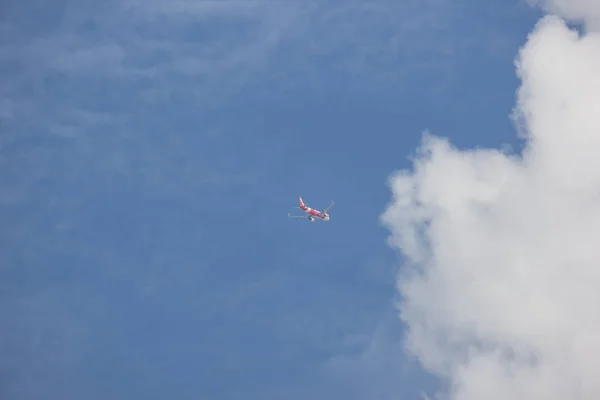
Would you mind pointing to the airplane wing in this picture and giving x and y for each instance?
(327, 209)
(296, 216)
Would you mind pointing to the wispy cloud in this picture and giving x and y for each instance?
(154, 40)
(501, 281)
(102, 75)
(216, 48)
(112, 75)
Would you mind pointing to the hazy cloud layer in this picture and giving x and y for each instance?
(502, 283)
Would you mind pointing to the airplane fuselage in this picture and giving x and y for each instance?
(313, 214)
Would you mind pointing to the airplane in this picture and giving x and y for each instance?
(311, 213)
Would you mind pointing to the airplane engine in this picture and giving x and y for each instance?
(311, 219)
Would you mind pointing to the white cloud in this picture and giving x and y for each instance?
(502, 284)
(587, 11)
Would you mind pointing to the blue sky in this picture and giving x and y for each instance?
(150, 153)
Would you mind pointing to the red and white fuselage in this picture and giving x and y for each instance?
(312, 214)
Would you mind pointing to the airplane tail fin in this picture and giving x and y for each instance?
(301, 202)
